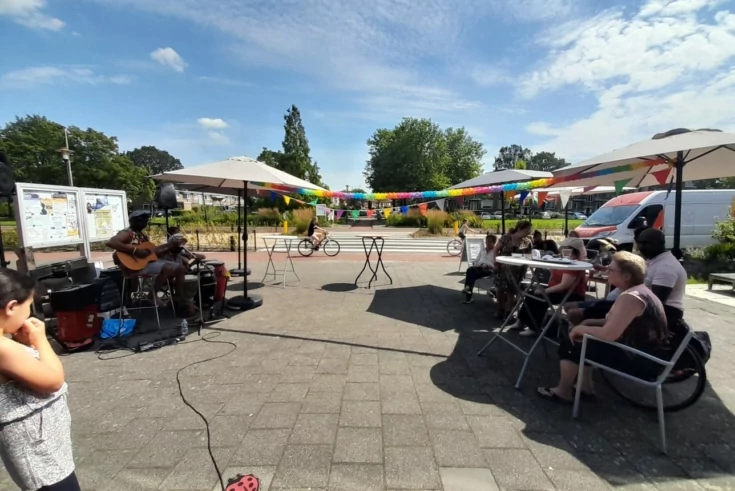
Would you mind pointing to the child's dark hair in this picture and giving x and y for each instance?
(493, 237)
(14, 286)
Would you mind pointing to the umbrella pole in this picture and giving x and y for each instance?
(245, 301)
(677, 204)
(502, 211)
(566, 219)
(239, 271)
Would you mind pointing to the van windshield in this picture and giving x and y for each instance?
(609, 216)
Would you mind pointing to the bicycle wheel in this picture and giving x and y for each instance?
(682, 388)
(305, 248)
(454, 247)
(330, 247)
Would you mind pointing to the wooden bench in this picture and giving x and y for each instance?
(721, 278)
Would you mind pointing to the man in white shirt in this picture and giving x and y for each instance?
(665, 275)
(482, 267)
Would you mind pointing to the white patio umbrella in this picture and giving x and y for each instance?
(234, 173)
(691, 155)
(500, 177)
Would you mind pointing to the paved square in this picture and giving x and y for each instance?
(341, 389)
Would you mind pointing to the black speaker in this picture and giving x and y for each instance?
(7, 184)
(165, 198)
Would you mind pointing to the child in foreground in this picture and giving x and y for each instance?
(35, 425)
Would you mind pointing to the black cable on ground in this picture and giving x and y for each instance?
(207, 338)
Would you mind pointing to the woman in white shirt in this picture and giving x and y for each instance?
(482, 267)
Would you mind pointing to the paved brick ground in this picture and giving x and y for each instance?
(341, 389)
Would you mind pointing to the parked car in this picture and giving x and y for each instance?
(486, 216)
(541, 214)
(578, 216)
(497, 215)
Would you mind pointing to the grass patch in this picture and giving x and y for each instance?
(7, 223)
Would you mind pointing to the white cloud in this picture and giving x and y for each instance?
(169, 58)
(218, 138)
(57, 75)
(668, 65)
(225, 81)
(212, 123)
(371, 49)
(30, 14)
(489, 75)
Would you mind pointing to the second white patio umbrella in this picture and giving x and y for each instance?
(235, 173)
(691, 155)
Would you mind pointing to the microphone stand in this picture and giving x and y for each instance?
(3, 262)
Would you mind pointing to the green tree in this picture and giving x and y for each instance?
(547, 161)
(156, 161)
(508, 156)
(465, 155)
(520, 165)
(31, 143)
(417, 155)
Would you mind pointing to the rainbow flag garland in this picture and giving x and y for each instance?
(457, 193)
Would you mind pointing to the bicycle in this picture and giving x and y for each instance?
(328, 245)
(454, 247)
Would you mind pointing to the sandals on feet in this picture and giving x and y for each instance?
(550, 395)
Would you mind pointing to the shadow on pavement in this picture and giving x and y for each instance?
(339, 287)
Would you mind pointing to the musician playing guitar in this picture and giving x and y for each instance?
(133, 247)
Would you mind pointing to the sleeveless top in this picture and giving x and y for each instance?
(137, 238)
(35, 435)
(648, 330)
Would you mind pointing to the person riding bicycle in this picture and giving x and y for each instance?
(464, 228)
(316, 233)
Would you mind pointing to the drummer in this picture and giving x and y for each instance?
(181, 254)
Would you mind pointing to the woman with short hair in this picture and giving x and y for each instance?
(636, 319)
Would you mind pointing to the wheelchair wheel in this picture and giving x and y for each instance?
(682, 388)
(454, 247)
(330, 247)
(305, 248)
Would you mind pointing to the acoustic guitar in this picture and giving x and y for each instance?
(132, 263)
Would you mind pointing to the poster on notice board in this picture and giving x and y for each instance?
(50, 218)
(105, 215)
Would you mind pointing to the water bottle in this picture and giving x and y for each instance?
(184, 328)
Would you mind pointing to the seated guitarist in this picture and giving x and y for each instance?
(126, 242)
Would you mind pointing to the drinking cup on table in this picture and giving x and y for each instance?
(566, 253)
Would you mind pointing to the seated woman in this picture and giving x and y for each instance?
(636, 319)
(544, 245)
(532, 312)
(481, 267)
(515, 241)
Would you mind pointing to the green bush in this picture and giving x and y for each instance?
(301, 218)
(725, 230)
(724, 251)
(473, 220)
(10, 239)
(436, 221)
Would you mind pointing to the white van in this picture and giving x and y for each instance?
(621, 216)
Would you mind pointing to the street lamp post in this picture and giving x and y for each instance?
(66, 157)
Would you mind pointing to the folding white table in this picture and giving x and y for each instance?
(377, 242)
(287, 241)
(534, 266)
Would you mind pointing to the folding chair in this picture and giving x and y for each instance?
(656, 384)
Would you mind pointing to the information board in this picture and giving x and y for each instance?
(321, 210)
(49, 215)
(105, 213)
(471, 250)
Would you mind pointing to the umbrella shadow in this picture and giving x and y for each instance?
(617, 441)
(339, 287)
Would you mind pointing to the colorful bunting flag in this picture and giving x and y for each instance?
(339, 213)
(541, 197)
(440, 204)
(387, 212)
(286, 199)
(619, 185)
(422, 208)
(661, 176)
(404, 209)
(355, 213)
(587, 189)
(522, 198)
(564, 197)
(509, 195)
(370, 213)
(274, 196)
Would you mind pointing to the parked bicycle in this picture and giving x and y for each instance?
(328, 245)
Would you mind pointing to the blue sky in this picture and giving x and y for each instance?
(209, 80)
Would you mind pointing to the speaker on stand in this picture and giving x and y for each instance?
(165, 199)
(239, 271)
(7, 189)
